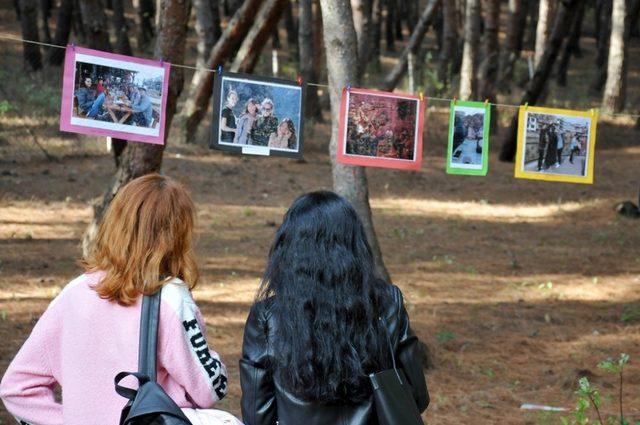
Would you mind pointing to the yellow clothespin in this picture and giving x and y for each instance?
(526, 105)
(421, 96)
(486, 103)
(455, 100)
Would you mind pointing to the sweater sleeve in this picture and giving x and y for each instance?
(188, 359)
(27, 387)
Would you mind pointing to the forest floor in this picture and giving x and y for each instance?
(517, 287)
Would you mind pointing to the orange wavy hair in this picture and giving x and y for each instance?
(144, 238)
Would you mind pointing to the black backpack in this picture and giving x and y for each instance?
(149, 404)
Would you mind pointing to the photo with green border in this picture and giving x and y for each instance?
(468, 147)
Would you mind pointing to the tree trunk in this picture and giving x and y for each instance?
(546, 14)
(541, 75)
(634, 18)
(449, 42)
(613, 99)
(351, 182)
(470, 50)
(121, 28)
(76, 22)
(489, 66)
(45, 14)
(215, 16)
(307, 52)
(376, 31)
(205, 27)
(290, 26)
(571, 45)
(604, 9)
(144, 158)
(29, 23)
(390, 25)
(516, 24)
(362, 20)
(94, 22)
(427, 17)
(63, 29)
(263, 25)
(196, 107)
(146, 12)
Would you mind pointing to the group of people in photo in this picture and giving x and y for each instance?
(114, 99)
(371, 132)
(257, 124)
(553, 143)
(323, 323)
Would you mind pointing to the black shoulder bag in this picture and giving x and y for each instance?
(149, 404)
(392, 394)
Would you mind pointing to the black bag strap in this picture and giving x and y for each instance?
(391, 350)
(149, 323)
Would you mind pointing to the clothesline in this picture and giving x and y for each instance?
(205, 69)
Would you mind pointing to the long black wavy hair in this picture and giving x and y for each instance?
(327, 300)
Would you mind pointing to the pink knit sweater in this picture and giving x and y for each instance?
(82, 341)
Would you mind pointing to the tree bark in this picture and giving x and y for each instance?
(604, 9)
(76, 22)
(145, 16)
(63, 29)
(215, 16)
(196, 107)
(546, 14)
(290, 26)
(634, 18)
(468, 83)
(264, 24)
(376, 31)
(29, 23)
(541, 75)
(399, 69)
(613, 99)
(45, 14)
(205, 27)
(351, 182)
(362, 21)
(490, 47)
(390, 25)
(144, 158)
(307, 52)
(121, 28)
(571, 45)
(449, 42)
(94, 22)
(516, 24)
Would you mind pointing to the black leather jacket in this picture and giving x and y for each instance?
(264, 402)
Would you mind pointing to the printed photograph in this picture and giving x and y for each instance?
(107, 95)
(468, 138)
(556, 143)
(257, 115)
(380, 129)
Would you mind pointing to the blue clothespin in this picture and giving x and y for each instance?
(73, 46)
(219, 69)
(348, 87)
(161, 62)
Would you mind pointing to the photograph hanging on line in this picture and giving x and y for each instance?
(468, 151)
(380, 129)
(257, 115)
(556, 144)
(112, 95)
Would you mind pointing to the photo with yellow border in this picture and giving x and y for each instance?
(556, 144)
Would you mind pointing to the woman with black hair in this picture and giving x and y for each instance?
(321, 323)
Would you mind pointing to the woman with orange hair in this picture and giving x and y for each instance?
(90, 331)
